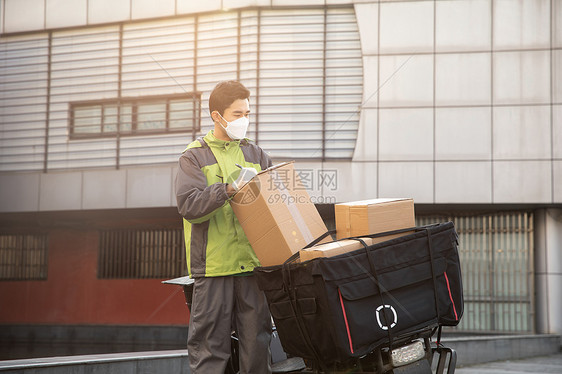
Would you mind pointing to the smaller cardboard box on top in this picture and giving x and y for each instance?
(364, 218)
(276, 214)
(338, 247)
(374, 216)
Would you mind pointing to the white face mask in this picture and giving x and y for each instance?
(236, 130)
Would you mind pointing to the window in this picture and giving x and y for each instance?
(496, 252)
(133, 254)
(135, 116)
(23, 257)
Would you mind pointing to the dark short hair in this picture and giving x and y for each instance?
(225, 93)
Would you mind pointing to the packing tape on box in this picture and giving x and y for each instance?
(292, 207)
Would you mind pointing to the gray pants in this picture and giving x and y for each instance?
(218, 303)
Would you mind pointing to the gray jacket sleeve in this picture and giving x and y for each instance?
(266, 161)
(196, 201)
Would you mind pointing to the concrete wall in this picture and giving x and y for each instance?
(172, 362)
(476, 350)
(462, 100)
(46, 340)
(84, 190)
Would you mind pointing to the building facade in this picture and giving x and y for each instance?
(455, 103)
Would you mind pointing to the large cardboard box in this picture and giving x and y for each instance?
(374, 216)
(276, 214)
(338, 247)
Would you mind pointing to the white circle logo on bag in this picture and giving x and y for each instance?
(378, 313)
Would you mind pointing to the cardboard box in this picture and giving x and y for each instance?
(333, 249)
(366, 217)
(276, 214)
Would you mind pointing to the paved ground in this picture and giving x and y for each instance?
(535, 365)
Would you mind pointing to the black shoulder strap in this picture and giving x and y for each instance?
(319, 239)
(296, 255)
(393, 232)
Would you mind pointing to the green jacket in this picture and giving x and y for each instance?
(215, 242)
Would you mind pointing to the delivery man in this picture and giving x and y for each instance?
(219, 256)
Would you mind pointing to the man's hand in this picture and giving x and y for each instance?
(246, 174)
(230, 190)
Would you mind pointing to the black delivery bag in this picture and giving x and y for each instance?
(338, 308)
